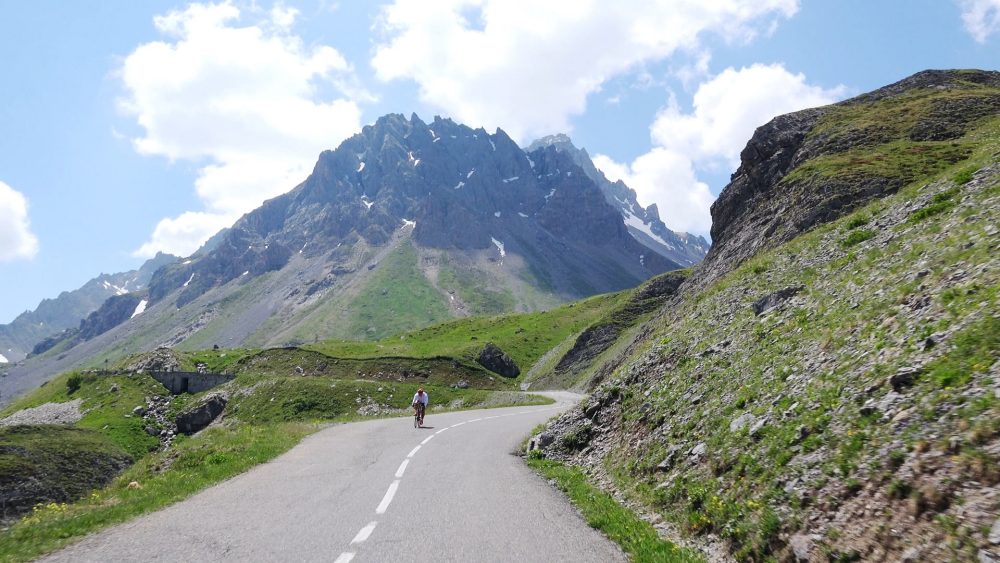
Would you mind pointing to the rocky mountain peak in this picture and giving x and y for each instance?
(457, 187)
(642, 223)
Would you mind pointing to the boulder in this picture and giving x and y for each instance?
(904, 377)
(197, 418)
(495, 360)
(741, 422)
(802, 546)
(772, 300)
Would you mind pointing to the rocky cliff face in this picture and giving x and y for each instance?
(810, 167)
(825, 385)
(642, 223)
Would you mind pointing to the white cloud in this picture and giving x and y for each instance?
(244, 101)
(16, 239)
(981, 18)
(528, 66)
(726, 110)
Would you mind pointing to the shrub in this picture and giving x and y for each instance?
(964, 176)
(73, 383)
(858, 221)
(857, 237)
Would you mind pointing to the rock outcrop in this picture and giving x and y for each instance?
(497, 361)
(200, 416)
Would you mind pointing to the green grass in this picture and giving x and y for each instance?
(939, 204)
(524, 337)
(635, 536)
(56, 463)
(194, 463)
(397, 299)
(284, 399)
(975, 349)
(469, 285)
(857, 237)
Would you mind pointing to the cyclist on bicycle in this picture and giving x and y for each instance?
(420, 399)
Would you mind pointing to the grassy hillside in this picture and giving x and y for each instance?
(525, 337)
(836, 396)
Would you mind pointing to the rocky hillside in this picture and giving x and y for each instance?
(643, 223)
(52, 316)
(826, 385)
(404, 225)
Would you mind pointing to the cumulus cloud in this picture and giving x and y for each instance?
(726, 109)
(981, 18)
(16, 239)
(529, 66)
(243, 100)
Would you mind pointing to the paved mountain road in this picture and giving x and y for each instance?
(376, 491)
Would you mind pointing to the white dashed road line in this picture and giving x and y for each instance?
(390, 493)
(402, 468)
(387, 499)
(364, 533)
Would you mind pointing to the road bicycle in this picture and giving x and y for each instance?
(418, 416)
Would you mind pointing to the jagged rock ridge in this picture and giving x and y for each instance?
(643, 223)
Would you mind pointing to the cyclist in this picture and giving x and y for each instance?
(420, 399)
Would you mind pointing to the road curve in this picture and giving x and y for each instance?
(376, 491)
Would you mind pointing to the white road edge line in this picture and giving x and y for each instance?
(344, 557)
(413, 452)
(475, 420)
(456, 425)
(364, 533)
(427, 439)
(440, 431)
(402, 468)
(387, 499)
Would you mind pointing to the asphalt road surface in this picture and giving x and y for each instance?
(377, 491)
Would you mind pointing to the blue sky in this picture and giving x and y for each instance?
(130, 127)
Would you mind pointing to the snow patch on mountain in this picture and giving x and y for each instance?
(636, 223)
(500, 247)
(112, 287)
(139, 309)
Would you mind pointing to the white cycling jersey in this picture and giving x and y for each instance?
(417, 398)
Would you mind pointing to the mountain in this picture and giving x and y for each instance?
(404, 225)
(824, 385)
(643, 223)
(52, 316)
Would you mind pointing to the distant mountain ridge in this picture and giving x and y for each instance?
(643, 223)
(52, 316)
